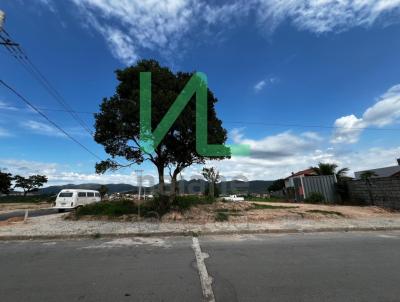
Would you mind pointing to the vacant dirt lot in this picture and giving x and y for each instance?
(269, 211)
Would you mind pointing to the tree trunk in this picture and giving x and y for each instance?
(161, 184)
(25, 192)
(172, 193)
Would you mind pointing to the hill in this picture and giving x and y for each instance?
(112, 188)
(187, 186)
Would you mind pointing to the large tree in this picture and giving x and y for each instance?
(118, 124)
(5, 182)
(30, 184)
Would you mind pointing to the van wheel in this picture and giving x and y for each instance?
(61, 210)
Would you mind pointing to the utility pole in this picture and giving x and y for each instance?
(2, 18)
(3, 40)
(139, 174)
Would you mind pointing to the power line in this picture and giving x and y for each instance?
(20, 55)
(243, 122)
(47, 118)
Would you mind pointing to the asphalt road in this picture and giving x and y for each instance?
(32, 213)
(303, 267)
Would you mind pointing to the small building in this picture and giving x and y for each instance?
(392, 171)
(302, 184)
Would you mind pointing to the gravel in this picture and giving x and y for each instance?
(56, 226)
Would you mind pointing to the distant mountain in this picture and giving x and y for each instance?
(112, 188)
(225, 187)
(187, 186)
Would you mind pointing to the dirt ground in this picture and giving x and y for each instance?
(7, 207)
(269, 211)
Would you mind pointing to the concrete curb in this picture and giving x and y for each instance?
(194, 233)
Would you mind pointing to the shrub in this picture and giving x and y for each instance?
(315, 197)
(109, 208)
(221, 216)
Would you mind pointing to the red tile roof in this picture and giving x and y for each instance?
(308, 172)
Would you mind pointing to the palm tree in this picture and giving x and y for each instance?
(330, 169)
(367, 175)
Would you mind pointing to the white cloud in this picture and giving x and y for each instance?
(42, 128)
(263, 83)
(260, 86)
(60, 175)
(5, 133)
(321, 16)
(48, 130)
(6, 106)
(385, 111)
(129, 27)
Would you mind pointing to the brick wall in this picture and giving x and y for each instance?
(383, 192)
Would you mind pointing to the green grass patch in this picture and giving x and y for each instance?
(110, 208)
(270, 207)
(28, 199)
(221, 216)
(325, 212)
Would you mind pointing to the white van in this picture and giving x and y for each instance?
(71, 198)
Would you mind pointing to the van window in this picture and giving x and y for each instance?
(81, 194)
(97, 194)
(90, 194)
(65, 195)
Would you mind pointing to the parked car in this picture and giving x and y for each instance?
(73, 198)
(234, 198)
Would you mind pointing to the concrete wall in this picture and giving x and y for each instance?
(383, 192)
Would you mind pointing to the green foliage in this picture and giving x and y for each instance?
(212, 176)
(5, 182)
(28, 199)
(315, 197)
(103, 190)
(367, 175)
(30, 184)
(111, 208)
(330, 169)
(277, 185)
(118, 122)
(221, 216)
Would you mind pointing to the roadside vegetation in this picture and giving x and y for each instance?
(27, 199)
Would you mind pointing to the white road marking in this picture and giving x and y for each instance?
(205, 279)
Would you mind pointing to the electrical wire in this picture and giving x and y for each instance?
(26, 101)
(20, 55)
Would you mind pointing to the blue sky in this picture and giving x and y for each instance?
(297, 80)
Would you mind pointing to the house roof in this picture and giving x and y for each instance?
(381, 172)
(307, 172)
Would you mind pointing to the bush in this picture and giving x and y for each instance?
(109, 208)
(315, 197)
(27, 199)
(221, 216)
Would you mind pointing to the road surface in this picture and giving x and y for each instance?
(32, 213)
(303, 267)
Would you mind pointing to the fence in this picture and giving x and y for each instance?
(303, 186)
(383, 192)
